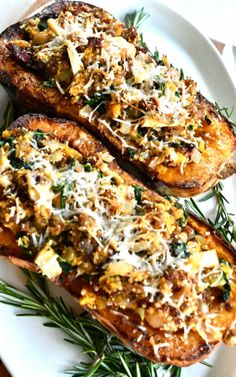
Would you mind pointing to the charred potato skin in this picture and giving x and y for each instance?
(26, 87)
(124, 324)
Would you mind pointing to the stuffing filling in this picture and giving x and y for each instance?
(76, 216)
(144, 102)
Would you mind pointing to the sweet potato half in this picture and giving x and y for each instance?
(150, 295)
(183, 155)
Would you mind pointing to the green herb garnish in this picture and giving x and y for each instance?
(131, 153)
(18, 163)
(138, 190)
(72, 163)
(156, 55)
(181, 77)
(160, 85)
(38, 137)
(88, 167)
(226, 288)
(65, 190)
(142, 131)
(42, 25)
(174, 145)
(65, 266)
(180, 249)
(98, 101)
(51, 83)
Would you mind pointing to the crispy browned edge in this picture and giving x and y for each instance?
(26, 87)
(124, 327)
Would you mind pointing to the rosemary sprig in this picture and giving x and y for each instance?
(225, 111)
(136, 18)
(107, 356)
(192, 205)
(223, 221)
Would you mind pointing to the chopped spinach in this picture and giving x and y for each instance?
(65, 190)
(190, 127)
(175, 145)
(9, 141)
(72, 163)
(182, 222)
(51, 83)
(225, 262)
(57, 188)
(88, 167)
(138, 190)
(131, 152)
(142, 131)
(18, 163)
(226, 288)
(65, 266)
(179, 249)
(42, 25)
(98, 100)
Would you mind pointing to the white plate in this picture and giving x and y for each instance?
(31, 350)
(229, 58)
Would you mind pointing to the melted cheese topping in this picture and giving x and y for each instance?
(144, 102)
(141, 253)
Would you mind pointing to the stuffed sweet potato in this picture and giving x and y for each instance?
(76, 61)
(161, 280)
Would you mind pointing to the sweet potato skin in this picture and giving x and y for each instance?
(124, 324)
(27, 88)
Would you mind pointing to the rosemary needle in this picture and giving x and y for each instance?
(136, 18)
(107, 356)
